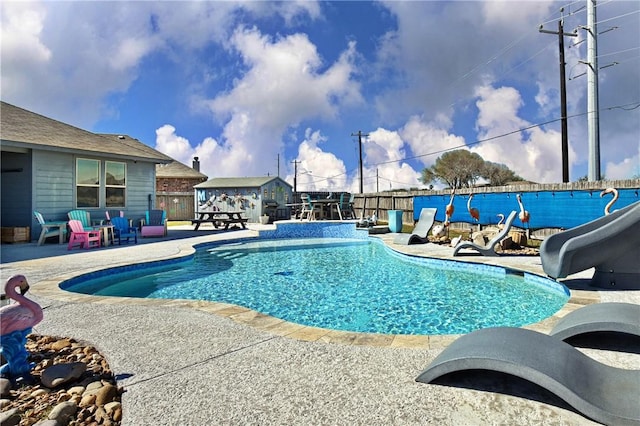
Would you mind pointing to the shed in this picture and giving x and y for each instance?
(53, 168)
(255, 196)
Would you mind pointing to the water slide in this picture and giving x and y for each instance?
(611, 244)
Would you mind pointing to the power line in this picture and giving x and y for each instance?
(632, 105)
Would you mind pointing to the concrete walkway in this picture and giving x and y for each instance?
(196, 363)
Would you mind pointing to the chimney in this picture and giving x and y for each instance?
(196, 164)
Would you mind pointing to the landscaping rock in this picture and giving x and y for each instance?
(62, 412)
(59, 374)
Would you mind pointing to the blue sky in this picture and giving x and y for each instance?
(241, 84)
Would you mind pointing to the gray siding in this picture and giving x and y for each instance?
(54, 188)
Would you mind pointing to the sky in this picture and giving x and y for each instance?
(257, 88)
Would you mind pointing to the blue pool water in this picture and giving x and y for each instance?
(341, 284)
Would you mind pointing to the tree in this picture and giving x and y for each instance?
(498, 174)
(457, 169)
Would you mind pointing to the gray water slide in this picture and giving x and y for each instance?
(611, 244)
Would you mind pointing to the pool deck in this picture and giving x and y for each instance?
(201, 363)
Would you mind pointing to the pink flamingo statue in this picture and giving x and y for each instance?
(16, 321)
(607, 208)
(524, 214)
(474, 212)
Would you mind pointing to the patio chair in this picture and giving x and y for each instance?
(346, 206)
(154, 224)
(83, 216)
(113, 213)
(421, 230)
(603, 393)
(308, 208)
(50, 229)
(123, 230)
(488, 249)
(612, 317)
(85, 238)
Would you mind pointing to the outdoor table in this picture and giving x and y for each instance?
(107, 233)
(218, 217)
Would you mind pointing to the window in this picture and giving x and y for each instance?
(115, 183)
(87, 183)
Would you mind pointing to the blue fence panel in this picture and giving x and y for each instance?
(547, 209)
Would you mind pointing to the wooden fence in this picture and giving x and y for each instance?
(178, 205)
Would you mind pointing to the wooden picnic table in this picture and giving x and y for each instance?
(219, 218)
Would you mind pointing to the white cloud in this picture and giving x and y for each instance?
(282, 87)
(318, 170)
(533, 154)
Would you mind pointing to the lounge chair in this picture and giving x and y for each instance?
(609, 317)
(155, 224)
(84, 238)
(50, 229)
(122, 230)
(603, 393)
(421, 230)
(490, 248)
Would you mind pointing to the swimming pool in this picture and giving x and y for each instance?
(341, 284)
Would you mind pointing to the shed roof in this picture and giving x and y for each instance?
(22, 128)
(245, 182)
(176, 169)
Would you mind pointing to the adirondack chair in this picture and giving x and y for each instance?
(123, 230)
(155, 224)
(50, 229)
(83, 216)
(84, 238)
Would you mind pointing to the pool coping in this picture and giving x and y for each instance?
(50, 288)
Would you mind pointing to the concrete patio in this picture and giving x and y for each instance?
(201, 363)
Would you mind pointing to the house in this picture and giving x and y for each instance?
(174, 188)
(254, 196)
(53, 167)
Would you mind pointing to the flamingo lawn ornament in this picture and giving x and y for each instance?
(524, 214)
(607, 208)
(16, 321)
(501, 222)
(474, 212)
(449, 209)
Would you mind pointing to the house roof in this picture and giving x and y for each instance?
(26, 129)
(246, 182)
(176, 169)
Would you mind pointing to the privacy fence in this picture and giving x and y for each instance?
(550, 205)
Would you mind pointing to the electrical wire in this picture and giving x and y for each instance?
(632, 105)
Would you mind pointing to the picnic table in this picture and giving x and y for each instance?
(219, 218)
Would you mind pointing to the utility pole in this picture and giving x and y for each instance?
(592, 93)
(563, 97)
(377, 181)
(295, 175)
(360, 135)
